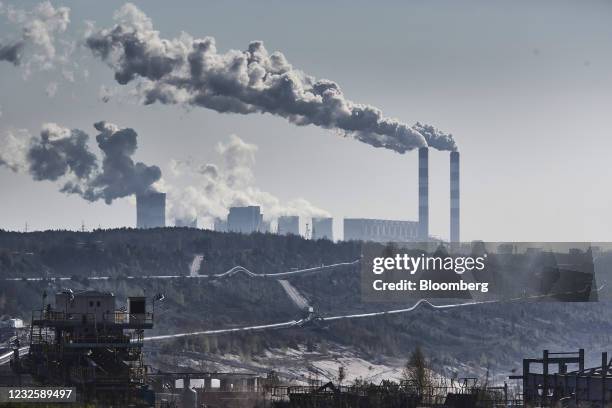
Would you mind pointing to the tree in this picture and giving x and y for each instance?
(341, 374)
(417, 371)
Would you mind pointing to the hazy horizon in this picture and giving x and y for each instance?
(524, 88)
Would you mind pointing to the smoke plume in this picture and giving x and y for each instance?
(190, 71)
(39, 28)
(216, 188)
(62, 154)
(11, 52)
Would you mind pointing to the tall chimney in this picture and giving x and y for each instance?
(454, 197)
(423, 194)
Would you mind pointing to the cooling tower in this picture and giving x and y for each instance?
(322, 228)
(150, 210)
(454, 197)
(288, 225)
(423, 194)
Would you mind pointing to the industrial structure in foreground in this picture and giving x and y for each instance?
(561, 379)
(453, 393)
(85, 342)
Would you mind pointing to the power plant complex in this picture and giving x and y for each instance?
(151, 207)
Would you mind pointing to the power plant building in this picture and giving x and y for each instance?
(322, 228)
(150, 210)
(288, 224)
(245, 219)
(363, 229)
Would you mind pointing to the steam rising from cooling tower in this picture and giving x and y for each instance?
(63, 154)
(229, 183)
(190, 71)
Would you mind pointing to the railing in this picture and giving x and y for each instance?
(115, 317)
(100, 338)
(55, 316)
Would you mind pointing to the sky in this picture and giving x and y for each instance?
(524, 87)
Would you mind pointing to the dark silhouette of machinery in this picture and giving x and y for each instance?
(83, 341)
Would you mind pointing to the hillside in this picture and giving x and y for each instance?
(466, 340)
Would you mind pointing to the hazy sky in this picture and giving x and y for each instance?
(524, 86)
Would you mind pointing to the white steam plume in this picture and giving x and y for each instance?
(190, 71)
(36, 45)
(219, 187)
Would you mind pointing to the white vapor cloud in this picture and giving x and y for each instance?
(190, 71)
(51, 89)
(36, 46)
(229, 183)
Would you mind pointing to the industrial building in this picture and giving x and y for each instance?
(246, 220)
(378, 230)
(322, 228)
(364, 229)
(208, 389)
(560, 379)
(456, 393)
(288, 225)
(249, 219)
(150, 210)
(84, 341)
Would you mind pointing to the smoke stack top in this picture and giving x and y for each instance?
(190, 71)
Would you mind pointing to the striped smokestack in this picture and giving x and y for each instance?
(454, 197)
(423, 194)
